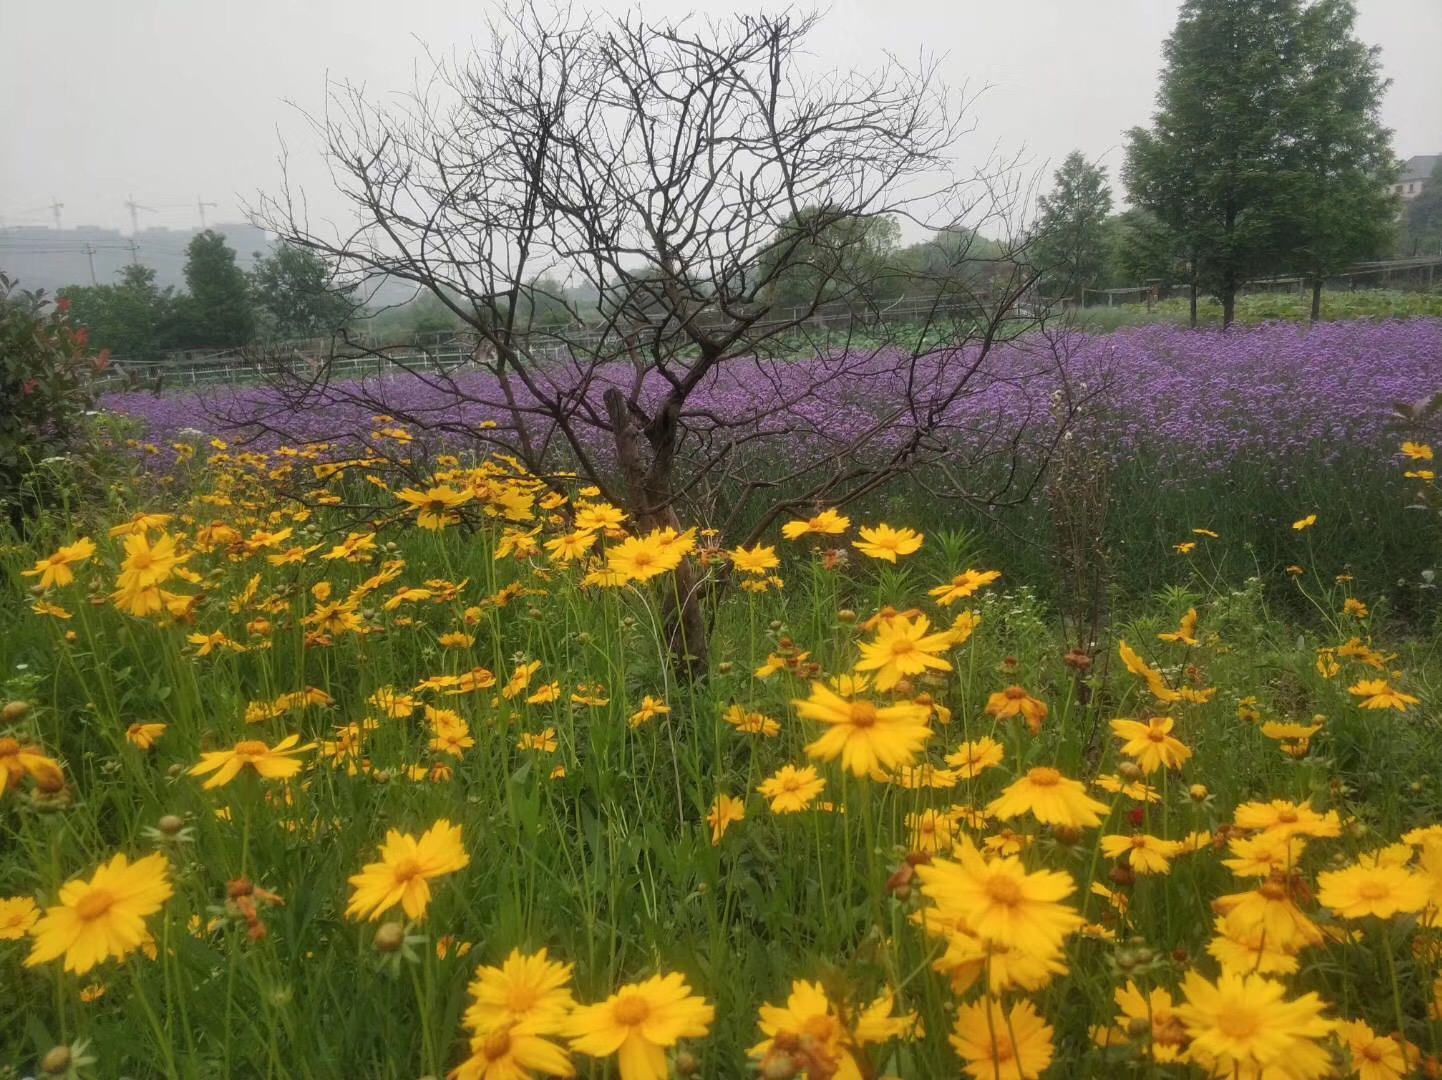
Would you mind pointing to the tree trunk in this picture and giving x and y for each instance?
(1194, 299)
(1317, 299)
(647, 496)
(1229, 304)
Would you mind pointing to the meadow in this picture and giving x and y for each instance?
(305, 790)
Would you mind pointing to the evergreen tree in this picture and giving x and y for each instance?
(1212, 167)
(293, 296)
(1070, 249)
(218, 311)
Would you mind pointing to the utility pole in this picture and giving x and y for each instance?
(134, 258)
(201, 205)
(90, 254)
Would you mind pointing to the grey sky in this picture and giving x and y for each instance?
(174, 99)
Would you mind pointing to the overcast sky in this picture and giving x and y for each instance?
(177, 99)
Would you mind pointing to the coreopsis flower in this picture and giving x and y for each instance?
(147, 565)
(884, 542)
(1249, 951)
(144, 736)
(1000, 901)
(1354, 607)
(1132, 789)
(1264, 855)
(1151, 1014)
(1374, 1057)
(1372, 888)
(208, 643)
(545, 695)
(640, 558)
(456, 639)
(754, 560)
(1016, 701)
(1186, 547)
(826, 523)
(141, 523)
(1144, 854)
(816, 1035)
(1051, 798)
(570, 547)
(1270, 910)
(17, 915)
(973, 758)
(650, 709)
(276, 762)
(520, 679)
(55, 571)
(544, 740)
(1379, 694)
(749, 722)
(18, 760)
(962, 586)
(517, 543)
(791, 790)
(864, 735)
(1242, 1024)
(1148, 674)
(1415, 451)
(356, 547)
(1283, 732)
(1186, 633)
(1151, 744)
(932, 831)
(104, 917)
(436, 507)
(725, 811)
(51, 611)
(1304, 523)
(533, 990)
(903, 648)
(598, 517)
(996, 1043)
(638, 1023)
(512, 1053)
(1281, 818)
(406, 868)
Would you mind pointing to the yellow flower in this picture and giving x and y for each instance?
(725, 811)
(1000, 902)
(104, 917)
(864, 735)
(1242, 1025)
(1354, 607)
(55, 572)
(996, 1043)
(650, 709)
(1151, 744)
(436, 507)
(1186, 633)
(1015, 701)
(638, 1022)
(532, 990)
(1374, 1057)
(456, 639)
(1281, 818)
(754, 560)
(1144, 671)
(1379, 694)
(19, 759)
(1304, 523)
(140, 523)
(826, 523)
(144, 736)
(403, 874)
(545, 741)
(512, 1053)
(791, 790)
(1267, 910)
(1152, 1014)
(270, 763)
(147, 565)
(971, 759)
(903, 648)
(809, 1020)
(17, 915)
(1264, 855)
(1145, 854)
(962, 586)
(570, 547)
(1375, 889)
(1186, 547)
(1051, 798)
(1417, 451)
(884, 542)
(751, 723)
(642, 558)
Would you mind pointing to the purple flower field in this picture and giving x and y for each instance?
(1200, 401)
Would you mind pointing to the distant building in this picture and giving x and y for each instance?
(1416, 171)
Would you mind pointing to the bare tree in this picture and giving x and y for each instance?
(676, 175)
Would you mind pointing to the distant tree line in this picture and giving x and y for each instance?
(287, 293)
(1265, 156)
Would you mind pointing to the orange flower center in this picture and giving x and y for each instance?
(1237, 1022)
(1156, 734)
(1373, 890)
(9, 747)
(497, 1044)
(94, 904)
(250, 749)
(521, 998)
(1003, 889)
(1015, 693)
(1002, 1048)
(631, 1009)
(1045, 776)
(1287, 817)
(900, 646)
(406, 868)
(863, 714)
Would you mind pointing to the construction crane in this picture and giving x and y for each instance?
(199, 206)
(131, 205)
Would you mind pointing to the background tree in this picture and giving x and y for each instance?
(1423, 220)
(217, 312)
(1339, 159)
(1141, 250)
(822, 256)
(292, 295)
(1212, 167)
(1070, 248)
(134, 319)
(680, 172)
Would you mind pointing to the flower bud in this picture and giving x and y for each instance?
(57, 1061)
(170, 824)
(389, 937)
(1129, 770)
(13, 712)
